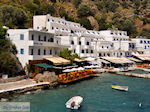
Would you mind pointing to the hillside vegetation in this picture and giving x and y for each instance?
(132, 16)
(9, 63)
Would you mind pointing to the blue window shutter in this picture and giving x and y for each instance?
(21, 51)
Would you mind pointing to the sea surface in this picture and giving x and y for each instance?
(97, 93)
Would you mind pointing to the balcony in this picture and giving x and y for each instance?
(45, 44)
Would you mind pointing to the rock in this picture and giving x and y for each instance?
(4, 100)
(94, 23)
(28, 93)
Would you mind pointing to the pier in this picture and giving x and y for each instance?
(22, 86)
(133, 74)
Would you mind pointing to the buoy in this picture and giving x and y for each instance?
(140, 104)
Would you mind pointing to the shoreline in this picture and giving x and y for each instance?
(31, 88)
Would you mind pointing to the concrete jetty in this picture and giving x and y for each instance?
(134, 74)
(12, 88)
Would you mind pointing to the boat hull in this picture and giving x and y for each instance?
(121, 88)
(76, 101)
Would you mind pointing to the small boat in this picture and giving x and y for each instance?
(122, 88)
(74, 102)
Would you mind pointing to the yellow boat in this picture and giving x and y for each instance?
(122, 88)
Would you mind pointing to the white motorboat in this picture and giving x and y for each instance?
(122, 88)
(74, 102)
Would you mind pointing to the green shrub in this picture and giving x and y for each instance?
(83, 11)
(85, 23)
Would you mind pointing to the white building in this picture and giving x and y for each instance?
(34, 45)
(80, 40)
(142, 45)
(52, 34)
(120, 41)
(58, 26)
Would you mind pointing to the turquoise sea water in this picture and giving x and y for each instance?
(98, 96)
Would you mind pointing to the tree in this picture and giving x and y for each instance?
(103, 25)
(145, 33)
(107, 5)
(125, 24)
(67, 54)
(45, 9)
(86, 23)
(83, 11)
(9, 64)
(76, 3)
(11, 16)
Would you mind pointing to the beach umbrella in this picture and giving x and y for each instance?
(74, 69)
(89, 59)
(67, 70)
(80, 68)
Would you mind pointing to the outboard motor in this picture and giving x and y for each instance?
(72, 104)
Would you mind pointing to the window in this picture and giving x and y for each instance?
(87, 51)
(91, 51)
(72, 42)
(102, 46)
(79, 42)
(87, 43)
(74, 51)
(21, 36)
(82, 51)
(51, 40)
(32, 37)
(32, 52)
(21, 51)
(52, 28)
(44, 52)
(111, 33)
(39, 38)
(45, 38)
(100, 54)
(55, 52)
(50, 51)
(48, 20)
(39, 51)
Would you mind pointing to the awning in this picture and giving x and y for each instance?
(58, 60)
(43, 65)
(133, 59)
(117, 60)
(104, 61)
(79, 60)
(144, 57)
